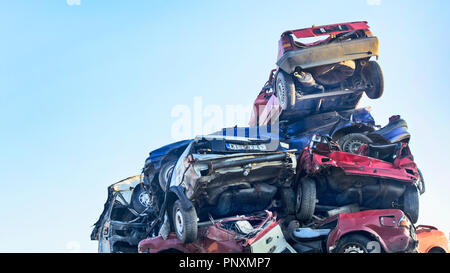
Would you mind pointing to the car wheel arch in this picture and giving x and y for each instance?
(378, 139)
(350, 130)
(436, 249)
(364, 232)
(171, 250)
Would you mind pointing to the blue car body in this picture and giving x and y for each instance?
(298, 134)
(333, 124)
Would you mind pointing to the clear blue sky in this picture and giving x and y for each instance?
(86, 91)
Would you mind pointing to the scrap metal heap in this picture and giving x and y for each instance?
(312, 173)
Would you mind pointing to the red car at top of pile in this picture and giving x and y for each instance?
(327, 75)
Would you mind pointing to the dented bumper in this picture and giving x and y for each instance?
(329, 54)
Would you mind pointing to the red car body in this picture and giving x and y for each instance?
(213, 238)
(342, 178)
(402, 169)
(266, 108)
(213, 241)
(286, 42)
(390, 227)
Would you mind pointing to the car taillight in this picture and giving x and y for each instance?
(368, 33)
(404, 222)
(285, 44)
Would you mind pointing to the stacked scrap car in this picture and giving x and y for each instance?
(350, 129)
(212, 177)
(371, 231)
(124, 220)
(312, 173)
(257, 233)
(218, 176)
(328, 75)
(431, 240)
(379, 177)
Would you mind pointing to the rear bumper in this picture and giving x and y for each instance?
(213, 173)
(329, 54)
(357, 165)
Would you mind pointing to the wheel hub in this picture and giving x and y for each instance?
(353, 249)
(353, 146)
(281, 92)
(144, 199)
(179, 222)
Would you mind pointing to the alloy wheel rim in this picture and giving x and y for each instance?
(179, 222)
(354, 249)
(353, 146)
(144, 199)
(281, 92)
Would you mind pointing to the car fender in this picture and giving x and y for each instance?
(158, 156)
(349, 128)
(395, 135)
(336, 234)
(179, 192)
(430, 237)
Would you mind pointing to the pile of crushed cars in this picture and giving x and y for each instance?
(312, 173)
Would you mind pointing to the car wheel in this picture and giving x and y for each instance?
(141, 199)
(356, 243)
(411, 203)
(373, 74)
(421, 184)
(285, 90)
(306, 199)
(184, 223)
(287, 198)
(165, 173)
(436, 250)
(352, 142)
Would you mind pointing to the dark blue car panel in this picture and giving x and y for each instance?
(332, 124)
(396, 134)
(298, 134)
(153, 161)
(322, 105)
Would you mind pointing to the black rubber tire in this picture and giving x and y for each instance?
(306, 199)
(436, 250)
(287, 198)
(138, 199)
(411, 203)
(422, 183)
(285, 90)
(356, 243)
(348, 142)
(165, 172)
(187, 220)
(372, 72)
